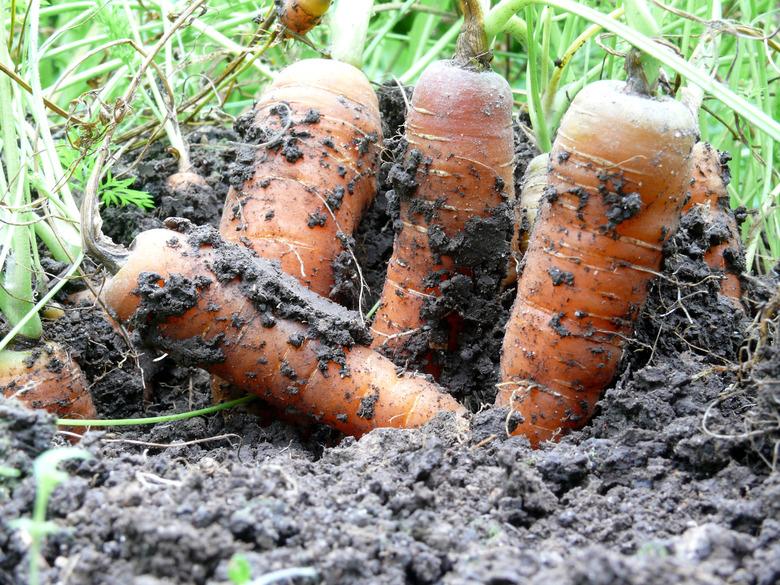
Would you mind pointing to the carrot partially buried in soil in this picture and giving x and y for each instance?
(459, 173)
(526, 209)
(708, 191)
(213, 304)
(300, 16)
(46, 378)
(303, 191)
(619, 172)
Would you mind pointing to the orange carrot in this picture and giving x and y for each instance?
(313, 177)
(46, 378)
(215, 305)
(300, 16)
(460, 159)
(708, 190)
(619, 170)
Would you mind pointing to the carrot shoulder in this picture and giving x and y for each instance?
(213, 304)
(314, 173)
(619, 171)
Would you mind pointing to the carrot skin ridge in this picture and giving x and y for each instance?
(460, 158)
(213, 304)
(308, 184)
(619, 172)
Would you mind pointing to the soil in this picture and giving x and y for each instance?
(645, 494)
(212, 151)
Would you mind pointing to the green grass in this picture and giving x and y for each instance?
(78, 55)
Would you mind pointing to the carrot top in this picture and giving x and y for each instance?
(473, 50)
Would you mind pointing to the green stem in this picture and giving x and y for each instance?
(33, 314)
(216, 36)
(46, 234)
(16, 293)
(473, 48)
(449, 36)
(403, 10)
(518, 28)
(349, 27)
(534, 91)
(500, 14)
(544, 61)
(164, 112)
(551, 92)
(641, 20)
(496, 20)
(49, 157)
(126, 422)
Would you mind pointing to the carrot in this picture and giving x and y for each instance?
(46, 378)
(619, 170)
(300, 16)
(215, 305)
(309, 183)
(526, 209)
(460, 159)
(708, 191)
(534, 184)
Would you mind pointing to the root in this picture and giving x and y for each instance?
(758, 381)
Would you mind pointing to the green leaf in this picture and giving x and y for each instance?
(45, 465)
(119, 193)
(9, 471)
(239, 572)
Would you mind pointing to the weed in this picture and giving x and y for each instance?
(47, 478)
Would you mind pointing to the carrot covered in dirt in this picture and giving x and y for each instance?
(459, 163)
(300, 16)
(619, 172)
(46, 378)
(710, 176)
(216, 305)
(303, 190)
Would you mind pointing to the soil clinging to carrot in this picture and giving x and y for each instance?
(274, 294)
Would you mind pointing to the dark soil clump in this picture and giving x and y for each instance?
(212, 151)
(373, 239)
